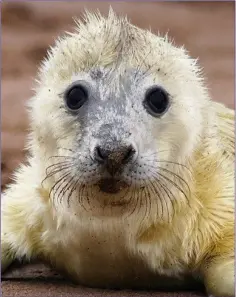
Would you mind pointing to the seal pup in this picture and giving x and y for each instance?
(129, 178)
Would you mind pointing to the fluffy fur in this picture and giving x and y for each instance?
(177, 217)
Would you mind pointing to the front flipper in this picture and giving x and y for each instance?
(7, 256)
(21, 225)
(219, 276)
(13, 245)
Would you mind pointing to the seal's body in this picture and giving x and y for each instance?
(130, 175)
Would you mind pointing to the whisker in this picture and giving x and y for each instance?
(168, 162)
(166, 190)
(149, 201)
(56, 169)
(135, 205)
(74, 187)
(65, 188)
(58, 182)
(53, 173)
(59, 164)
(176, 185)
(63, 185)
(66, 149)
(87, 198)
(155, 191)
(174, 174)
(86, 194)
(177, 176)
(146, 200)
(72, 190)
(61, 156)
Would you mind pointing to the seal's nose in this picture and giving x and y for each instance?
(114, 158)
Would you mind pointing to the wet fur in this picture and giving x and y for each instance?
(187, 229)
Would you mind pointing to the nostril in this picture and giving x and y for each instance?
(130, 153)
(100, 154)
(116, 155)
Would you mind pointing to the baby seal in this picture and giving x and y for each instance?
(129, 180)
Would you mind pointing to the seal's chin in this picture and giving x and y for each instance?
(112, 185)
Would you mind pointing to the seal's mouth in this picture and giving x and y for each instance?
(112, 185)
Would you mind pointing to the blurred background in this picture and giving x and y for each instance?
(29, 28)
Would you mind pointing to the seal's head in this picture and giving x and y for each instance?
(116, 116)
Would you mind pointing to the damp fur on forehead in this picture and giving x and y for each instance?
(112, 42)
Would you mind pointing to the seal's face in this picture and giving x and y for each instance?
(118, 126)
(118, 135)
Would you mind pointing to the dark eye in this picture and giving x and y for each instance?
(156, 101)
(75, 97)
